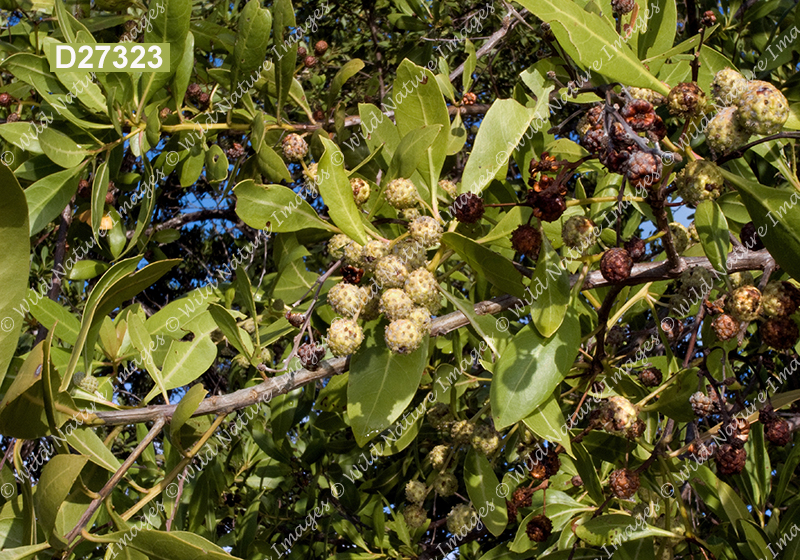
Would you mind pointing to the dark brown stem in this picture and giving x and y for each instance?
(740, 152)
(695, 330)
(696, 60)
(58, 263)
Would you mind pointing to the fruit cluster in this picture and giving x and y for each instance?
(746, 108)
(399, 285)
(776, 306)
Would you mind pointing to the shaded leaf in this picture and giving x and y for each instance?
(381, 384)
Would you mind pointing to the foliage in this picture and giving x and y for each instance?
(339, 284)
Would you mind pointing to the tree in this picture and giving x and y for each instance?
(401, 279)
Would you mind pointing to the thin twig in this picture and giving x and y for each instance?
(114, 480)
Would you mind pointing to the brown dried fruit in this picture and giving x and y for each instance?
(725, 327)
(320, 48)
(301, 52)
(778, 432)
(546, 467)
(193, 92)
(468, 208)
(750, 238)
(624, 483)
(639, 115)
(547, 164)
(643, 169)
(295, 319)
(319, 115)
(708, 18)
(5, 99)
(236, 151)
(84, 189)
(780, 333)
(623, 6)
(547, 207)
(309, 61)
(637, 248)
(310, 355)
(730, 459)
(616, 265)
(651, 377)
(526, 240)
(539, 528)
(13, 117)
(469, 98)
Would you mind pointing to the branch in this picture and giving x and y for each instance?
(740, 152)
(496, 37)
(199, 216)
(280, 385)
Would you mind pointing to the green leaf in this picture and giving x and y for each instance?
(588, 38)
(484, 325)
(23, 135)
(381, 384)
(615, 528)
(469, 65)
(60, 148)
(87, 269)
(160, 545)
(171, 25)
(14, 263)
(276, 208)
(272, 165)
(49, 196)
(337, 193)
(23, 552)
(458, 136)
(661, 30)
(183, 73)
(530, 369)
(86, 442)
(186, 361)
(412, 148)
(252, 37)
(58, 476)
(48, 312)
(712, 228)
(284, 51)
(118, 284)
(482, 486)
(418, 102)
(550, 284)
(347, 71)
(35, 70)
(17, 417)
(548, 422)
(496, 269)
(501, 130)
(777, 219)
(183, 412)
(245, 291)
(377, 130)
(511, 220)
(216, 164)
(99, 192)
(227, 324)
